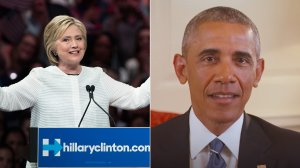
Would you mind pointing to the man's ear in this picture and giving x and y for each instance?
(179, 63)
(259, 71)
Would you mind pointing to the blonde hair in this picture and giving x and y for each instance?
(54, 30)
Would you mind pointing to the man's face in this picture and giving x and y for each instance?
(221, 67)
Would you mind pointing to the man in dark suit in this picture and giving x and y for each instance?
(221, 62)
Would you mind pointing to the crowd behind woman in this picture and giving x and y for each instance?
(118, 41)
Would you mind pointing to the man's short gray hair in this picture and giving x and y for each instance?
(222, 14)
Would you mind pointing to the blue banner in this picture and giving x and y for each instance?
(94, 147)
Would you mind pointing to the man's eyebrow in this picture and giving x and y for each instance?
(209, 51)
(242, 54)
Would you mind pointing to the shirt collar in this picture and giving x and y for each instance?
(200, 136)
(231, 137)
(59, 71)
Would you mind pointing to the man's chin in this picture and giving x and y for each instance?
(226, 117)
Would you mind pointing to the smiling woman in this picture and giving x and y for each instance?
(57, 94)
(65, 43)
(70, 49)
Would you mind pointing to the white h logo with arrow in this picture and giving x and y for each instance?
(56, 147)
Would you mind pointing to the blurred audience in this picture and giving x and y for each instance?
(22, 56)
(37, 18)
(104, 54)
(2, 125)
(142, 56)
(124, 24)
(25, 125)
(16, 139)
(91, 14)
(6, 157)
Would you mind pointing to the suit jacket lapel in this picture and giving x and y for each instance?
(170, 143)
(183, 141)
(254, 145)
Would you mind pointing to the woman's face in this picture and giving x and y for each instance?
(103, 48)
(6, 158)
(70, 47)
(26, 48)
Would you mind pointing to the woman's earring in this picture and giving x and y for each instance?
(54, 53)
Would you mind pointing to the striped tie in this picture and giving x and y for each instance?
(215, 159)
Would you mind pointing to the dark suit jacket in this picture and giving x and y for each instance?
(261, 143)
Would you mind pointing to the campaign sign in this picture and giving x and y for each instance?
(94, 147)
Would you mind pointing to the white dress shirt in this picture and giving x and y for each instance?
(200, 137)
